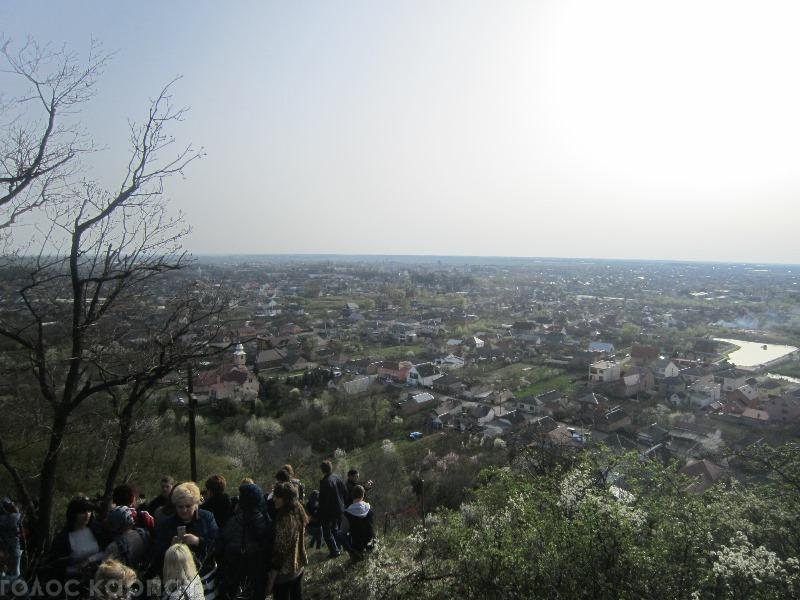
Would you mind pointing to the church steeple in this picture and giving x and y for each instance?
(239, 355)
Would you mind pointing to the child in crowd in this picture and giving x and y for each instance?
(113, 581)
(180, 577)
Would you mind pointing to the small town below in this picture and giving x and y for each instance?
(636, 356)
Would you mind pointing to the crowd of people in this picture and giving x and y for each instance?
(203, 546)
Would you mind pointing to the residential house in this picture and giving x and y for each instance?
(555, 402)
(403, 333)
(432, 327)
(443, 414)
(730, 379)
(755, 416)
(474, 342)
(703, 474)
(605, 348)
(278, 341)
(221, 391)
(511, 421)
(702, 393)
(373, 330)
(644, 356)
(536, 428)
(361, 366)
(740, 399)
(481, 414)
(531, 404)
(417, 403)
(635, 381)
(665, 368)
(592, 403)
(448, 384)
(679, 399)
(615, 419)
(452, 345)
(394, 371)
(688, 439)
(246, 333)
(291, 329)
(271, 308)
(355, 318)
(450, 362)
(271, 358)
(295, 361)
(423, 375)
(652, 435)
(604, 371)
(783, 409)
(566, 438)
(520, 328)
(448, 421)
(480, 392)
(692, 374)
(670, 385)
(617, 443)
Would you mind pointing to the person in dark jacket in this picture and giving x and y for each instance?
(10, 535)
(332, 495)
(314, 529)
(77, 550)
(217, 501)
(165, 485)
(127, 494)
(245, 546)
(352, 481)
(360, 525)
(190, 525)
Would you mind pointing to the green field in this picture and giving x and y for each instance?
(790, 369)
(552, 383)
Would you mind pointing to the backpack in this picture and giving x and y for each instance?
(301, 489)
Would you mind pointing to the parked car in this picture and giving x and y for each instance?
(414, 435)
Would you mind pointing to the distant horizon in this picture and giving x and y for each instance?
(481, 258)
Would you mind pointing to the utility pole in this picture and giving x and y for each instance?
(192, 428)
(422, 507)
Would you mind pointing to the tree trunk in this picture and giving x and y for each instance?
(125, 432)
(44, 517)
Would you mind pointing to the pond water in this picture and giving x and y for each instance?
(752, 354)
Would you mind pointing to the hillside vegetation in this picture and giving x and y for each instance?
(556, 528)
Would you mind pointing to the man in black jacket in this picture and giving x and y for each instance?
(332, 496)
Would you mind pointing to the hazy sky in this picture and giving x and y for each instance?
(586, 128)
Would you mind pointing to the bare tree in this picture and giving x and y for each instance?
(81, 316)
(39, 143)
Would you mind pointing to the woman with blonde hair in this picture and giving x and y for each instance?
(194, 527)
(180, 577)
(289, 550)
(113, 581)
